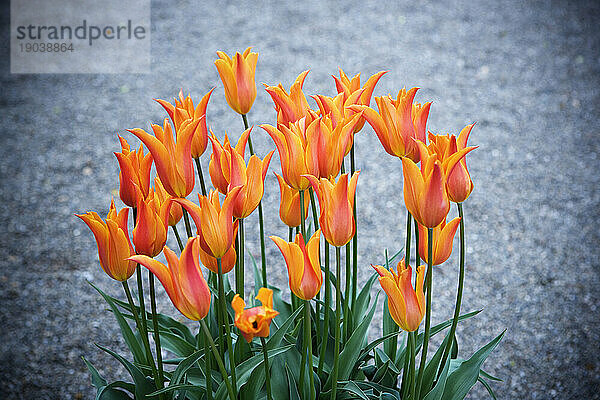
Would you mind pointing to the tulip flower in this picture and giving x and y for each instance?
(347, 87)
(406, 305)
(292, 106)
(237, 75)
(291, 145)
(220, 159)
(213, 221)
(184, 110)
(336, 202)
(289, 206)
(458, 182)
(443, 235)
(135, 172)
(172, 158)
(302, 260)
(150, 232)
(176, 212)
(112, 238)
(182, 279)
(227, 261)
(398, 123)
(326, 146)
(254, 321)
(251, 179)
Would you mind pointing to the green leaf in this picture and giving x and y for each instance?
(488, 387)
(132, 342)
(465, 376)
(438, 390)
(97, 380)
(143, 385)
(176, 344)
(277, 337)
(110, 392)
(355, 389)
(185, 386)
(489, 376)
(185, 365)
(363, 299)
(433, 365)
(389, 326)
(293, 389)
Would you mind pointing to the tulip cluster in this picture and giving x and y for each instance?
(315, 144)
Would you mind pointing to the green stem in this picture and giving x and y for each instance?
(263, 251)
(302, 216)
(140, 328)
(188, 226)
(413, 339)
(347, 294)
(355, 238)
(207, 365)
(308, 344)
(225, 320)
(200, 175)
(461, 279)
(325, 335)
(161, 375)
(303, 362)
(338, 306)
(267, 373)
(405, 371)
(428, 280)
(176, 232)
(246, 126)
(239, 278)
(219, 361)
(417, 256)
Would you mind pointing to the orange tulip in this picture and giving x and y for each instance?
(302, 261)
(135, 172)
(213, 221)
(251, 179)
(291, 144)
(176, 212)
(406, 305)
(237, 75)
(113, 242)
(289, 207)
(227, 261)
(347, 87)
(291, 106)
(172, 158)
(182, 111)
(398, 123)
(326, 146)
(182, 279)
(254, 321)
(220, 159)
(458, 183)
(443, 235)
(336, 202)
(150, 232)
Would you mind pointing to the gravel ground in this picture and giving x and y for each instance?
(527, 72)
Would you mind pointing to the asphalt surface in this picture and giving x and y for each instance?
(527, 72)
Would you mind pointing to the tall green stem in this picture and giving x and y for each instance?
(338, 306)
(325, 335)
(219, 361)
(239, 278)
(413, 339)
(246, 126)
(188, 226)
(355, 238)
(267, 373)
(200, 175)
(428, 280)
(161, 375)
(347, 294)
(225, 320)
(394, 340)
(459, 292)
(207, 365)
(140, 329)
(302, 216)
(308, 344)
(176, 232)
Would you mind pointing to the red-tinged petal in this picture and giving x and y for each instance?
(413, 186)
(161, 272)
(443, 244)
(224, 67)
(434, 204)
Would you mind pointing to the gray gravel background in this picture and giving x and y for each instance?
(527, 72)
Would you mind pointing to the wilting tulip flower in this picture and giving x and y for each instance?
(213, 221)
(184, 110)
(336, 202)
(303, 265)
(406, 305)
(112, 238)
(251, 179)
(291, 144)
(326, 146)
(237, 75)
(150, 232)
(289, 207)
(291, 106)
(135, 172)
(182, 279)
(172, 158)
(458, 182)
(347, 87)
(254, 321)
(443, 235)
(398, 123)
(220, 159)
(176, 212)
